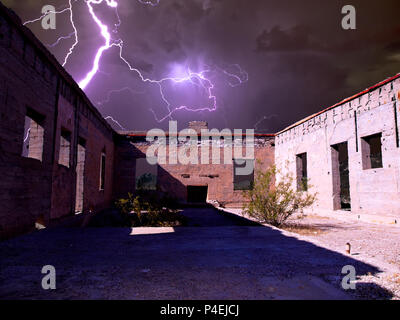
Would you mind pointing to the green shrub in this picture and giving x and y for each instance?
(151, 212)
(125, 206)
(274, 202)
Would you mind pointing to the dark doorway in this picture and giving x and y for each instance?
(197, 194)
(340, 177)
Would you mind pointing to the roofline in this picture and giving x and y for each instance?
(167, 134)
(379, 84)
(38, 45)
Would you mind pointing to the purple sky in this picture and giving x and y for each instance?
(297, 57)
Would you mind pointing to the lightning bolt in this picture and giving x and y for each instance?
(60, 39)
(74, 33)
(150, 3)
(45, 14)
(263, 119)
(199, 78)
(105, 34)
(27, 134)
(115, 121)
(108, 98)
(239, 78)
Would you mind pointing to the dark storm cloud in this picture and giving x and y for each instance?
(393, 47)
(190, 11)
(296, 39)
(144, 66)
(298, 57)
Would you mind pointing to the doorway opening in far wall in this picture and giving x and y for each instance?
(340, 177)
(80, 172)
(197, 194)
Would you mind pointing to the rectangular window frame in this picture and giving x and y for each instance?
(372, 160)
(103, 159)
(302, 171)
(236, 183)
(64, 154)
(33, 127)
(148, 180)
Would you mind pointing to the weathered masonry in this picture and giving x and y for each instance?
(215, 181)
(54, 145)
(350, 152)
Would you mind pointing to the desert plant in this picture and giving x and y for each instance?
(150, 212)
(274, 201)
(137, 205)
(125, 205)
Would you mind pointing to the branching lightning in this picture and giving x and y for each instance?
(150, 2)
(45, 14)
(60, 39)
(74, 33)
(199, 78)
(115, 121)
(108, 98)
(239, 78)
(257, 124)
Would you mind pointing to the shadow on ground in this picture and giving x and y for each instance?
(227, 258)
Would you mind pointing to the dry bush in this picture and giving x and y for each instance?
(272, 201)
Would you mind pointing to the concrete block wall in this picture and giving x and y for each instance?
(372, 191)
(26, 79)
(173, 179)
(98, 140)
(43, 189)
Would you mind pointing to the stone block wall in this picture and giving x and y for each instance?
(173, 179)
(35, 186)
(372, 191)
(26, 79)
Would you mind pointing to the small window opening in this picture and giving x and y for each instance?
(65, 148)
(80, 178)
(33, 135)
(243, 174)
(372, 151)
(102, 170)
(146, 174)
(301, 170)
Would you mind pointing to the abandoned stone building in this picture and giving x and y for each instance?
(59, 157)
(56, 150)
(350, 152)
(201, 181)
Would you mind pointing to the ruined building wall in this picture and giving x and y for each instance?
(373, 190)
(87, 134)
(99, 140)
(41, 105)
(173, 179)
(25, 82)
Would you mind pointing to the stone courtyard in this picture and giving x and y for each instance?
(217, 256)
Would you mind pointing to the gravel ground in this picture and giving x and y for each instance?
(376, 244)
(217, 257)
